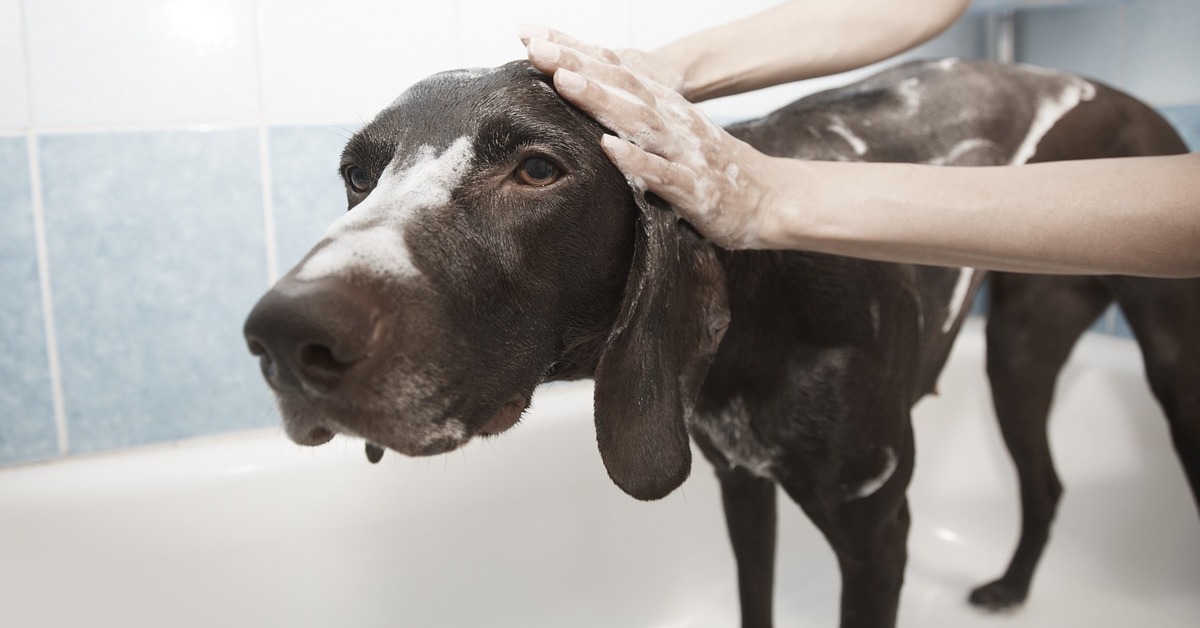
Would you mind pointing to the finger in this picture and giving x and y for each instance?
(529, 32)
(624, 115)
(648, 171)
(550, 57)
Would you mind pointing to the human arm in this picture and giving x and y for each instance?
(802, 39)
(788, 42)
(1131, 216)
(1137, 216)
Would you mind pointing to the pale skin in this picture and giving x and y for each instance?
(1132, 216)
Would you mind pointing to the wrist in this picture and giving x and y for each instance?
(704, 72)
(775, 200)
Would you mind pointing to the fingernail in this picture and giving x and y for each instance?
(614, 145)
(568, 81)
(528, 32)
(543, 51)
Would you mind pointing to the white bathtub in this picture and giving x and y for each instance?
(526, 530)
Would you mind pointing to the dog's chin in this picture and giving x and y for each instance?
(396, 430)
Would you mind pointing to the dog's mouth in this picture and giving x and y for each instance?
(504, 418)
(507, 416)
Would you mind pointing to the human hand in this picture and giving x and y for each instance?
(652, 65)
(664, 143)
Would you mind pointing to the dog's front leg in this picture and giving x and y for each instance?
(869, 535)
(750, 518)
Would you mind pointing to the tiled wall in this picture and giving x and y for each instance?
(162, 160)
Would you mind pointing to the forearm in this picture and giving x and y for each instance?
(1136, 216)
(803, 39)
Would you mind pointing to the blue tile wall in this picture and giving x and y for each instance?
(1093, 50)
(307, 192)
(1162, 49)
(27, 430)
(1186, 120)
(157, 252)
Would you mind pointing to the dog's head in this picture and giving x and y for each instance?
(490, 246)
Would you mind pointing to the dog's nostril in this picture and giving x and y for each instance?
(268, 366)
(317, 359)
(308, 335)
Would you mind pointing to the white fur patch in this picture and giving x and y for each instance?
(1050, 110)
(370, 237)
(958, 299)
(869, 487)
(947, 64)
(451, 430)
(908, 92)
(729, 430)
(960, 149)
(843, 131)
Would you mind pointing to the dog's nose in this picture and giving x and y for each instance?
(308, 335)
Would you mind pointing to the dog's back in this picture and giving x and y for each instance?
(956, 113)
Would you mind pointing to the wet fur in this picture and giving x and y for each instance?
(788, 369)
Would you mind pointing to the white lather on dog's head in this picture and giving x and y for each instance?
(491, 246)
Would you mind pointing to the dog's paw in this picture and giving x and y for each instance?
(998, 596)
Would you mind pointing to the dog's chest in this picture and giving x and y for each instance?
(730, 431)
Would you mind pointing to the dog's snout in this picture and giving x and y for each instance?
(309, 335)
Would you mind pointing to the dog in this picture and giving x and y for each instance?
(490, 247)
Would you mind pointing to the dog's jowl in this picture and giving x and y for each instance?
(491, 247)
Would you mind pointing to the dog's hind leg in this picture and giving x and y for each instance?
(1033, 324)
(750, 518)
(1165, 317)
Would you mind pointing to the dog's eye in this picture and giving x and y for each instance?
(538, 172)
(357, 179)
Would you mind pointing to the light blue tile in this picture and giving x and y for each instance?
(1106, 324)
(1163, 42)
(307, 191)
(1081, 40)
(156, 253)
(966, 38)
(983, 300)
(1186, 120)
(26, 408)
(1121, 326)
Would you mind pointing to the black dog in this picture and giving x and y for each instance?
(491, 247)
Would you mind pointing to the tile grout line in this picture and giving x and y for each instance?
(37, 199)
(264, 152)
(197, 125)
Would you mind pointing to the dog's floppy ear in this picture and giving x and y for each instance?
(670, 323)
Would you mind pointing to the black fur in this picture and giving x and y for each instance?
(787, 368)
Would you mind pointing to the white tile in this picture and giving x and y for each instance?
(141, 61)
(14, 113)
(488, 28)
(345, 60)
(658, 23)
